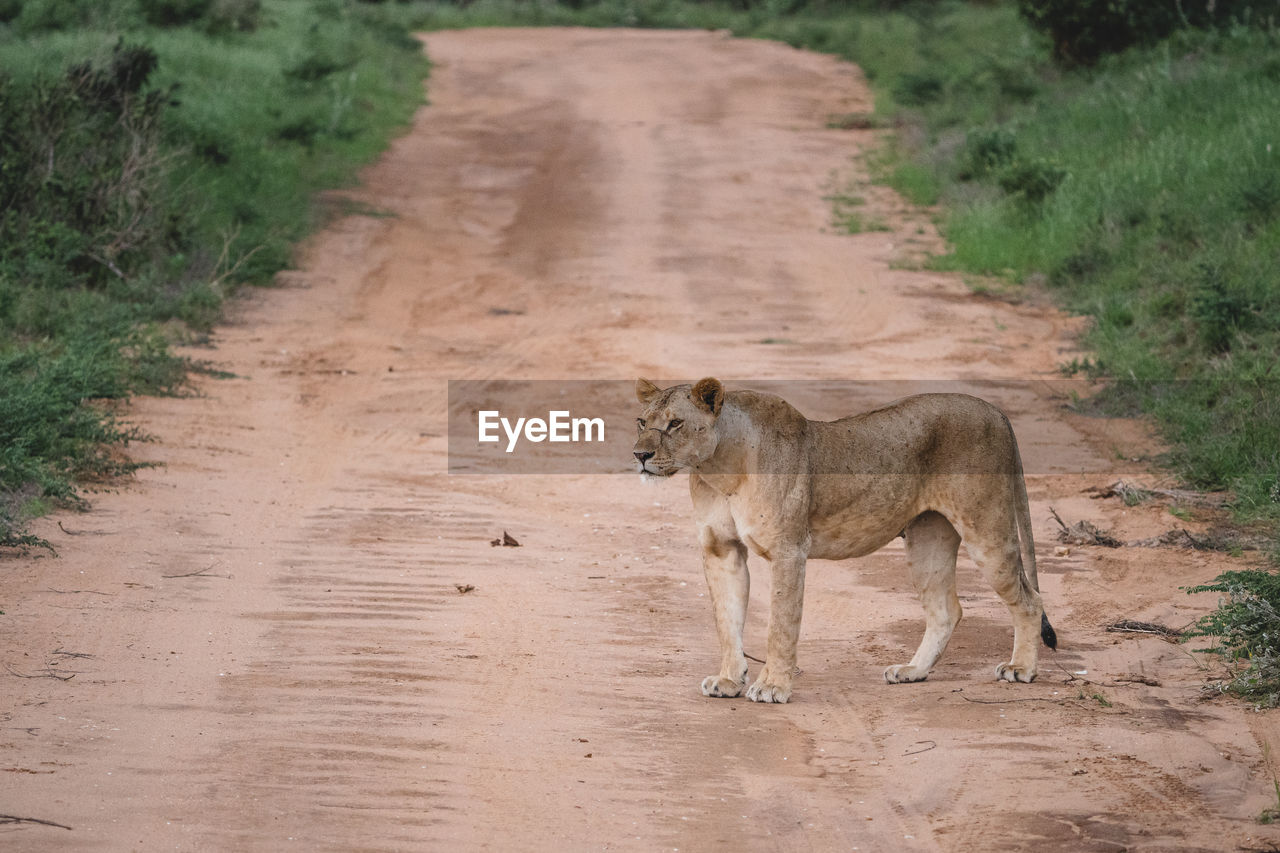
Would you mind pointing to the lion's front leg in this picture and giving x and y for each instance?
(724, 561)
(774, 682)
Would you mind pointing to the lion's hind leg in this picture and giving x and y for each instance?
(1001, 565)
(931, 557)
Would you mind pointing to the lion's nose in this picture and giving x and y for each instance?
(643, 456)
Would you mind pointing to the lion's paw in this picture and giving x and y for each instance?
(1012, 672)
(763, 691)
(905, 674)
(723, 688)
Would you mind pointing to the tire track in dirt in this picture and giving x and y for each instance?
(586, 204)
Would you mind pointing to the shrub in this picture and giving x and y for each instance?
(1247, 628)
(1260, 195)
(1083, 31)
(232, 16)
(81, 173)
(1219, 306)
(216, 17)
(918, 89)
(173, 13)
(1033, 181)
(1085, 262)
(48, 433)
(36, 16)
(986, 151)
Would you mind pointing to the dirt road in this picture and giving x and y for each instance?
(261, 645)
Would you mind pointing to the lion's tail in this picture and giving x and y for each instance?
(1023, 511)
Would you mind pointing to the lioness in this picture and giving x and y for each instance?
(934, 468)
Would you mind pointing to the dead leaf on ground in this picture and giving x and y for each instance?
(507, 541)
(464, 588)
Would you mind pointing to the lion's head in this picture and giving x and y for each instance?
(676, 426)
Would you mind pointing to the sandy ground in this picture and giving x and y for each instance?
(268, 646)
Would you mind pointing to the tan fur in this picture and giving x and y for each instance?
(934, 468)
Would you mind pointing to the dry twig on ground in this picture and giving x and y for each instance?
(48, 673)
(202, 573)
(1131, 494)
(1083, 533)
(8, 818)
(1132, 626)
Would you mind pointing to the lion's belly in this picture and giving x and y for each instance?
(856, 532)
(853, 516)
(853, 538)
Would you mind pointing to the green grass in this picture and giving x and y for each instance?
(895, 167)
(1163, 225)
(137, 192)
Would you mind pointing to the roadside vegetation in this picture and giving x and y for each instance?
(154, 155)
(1245, 631)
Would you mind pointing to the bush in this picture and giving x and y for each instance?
(36, 16)
(1260, 195)
(1083, 31)
(232, 16)
(986, 151)
(82, 173)
(918, 89)
(1247, 628)
(216, 17)
(1033, 181)
(49, 434)
(1219, 306)
(173, 13)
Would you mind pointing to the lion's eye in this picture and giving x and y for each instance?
(640, 424)
(674, 425)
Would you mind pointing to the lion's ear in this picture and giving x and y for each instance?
(708, 394)
(646, 390)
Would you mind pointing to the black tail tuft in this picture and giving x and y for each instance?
(1047, 633)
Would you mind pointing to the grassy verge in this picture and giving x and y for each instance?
(1147, 195)
(155, 155)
